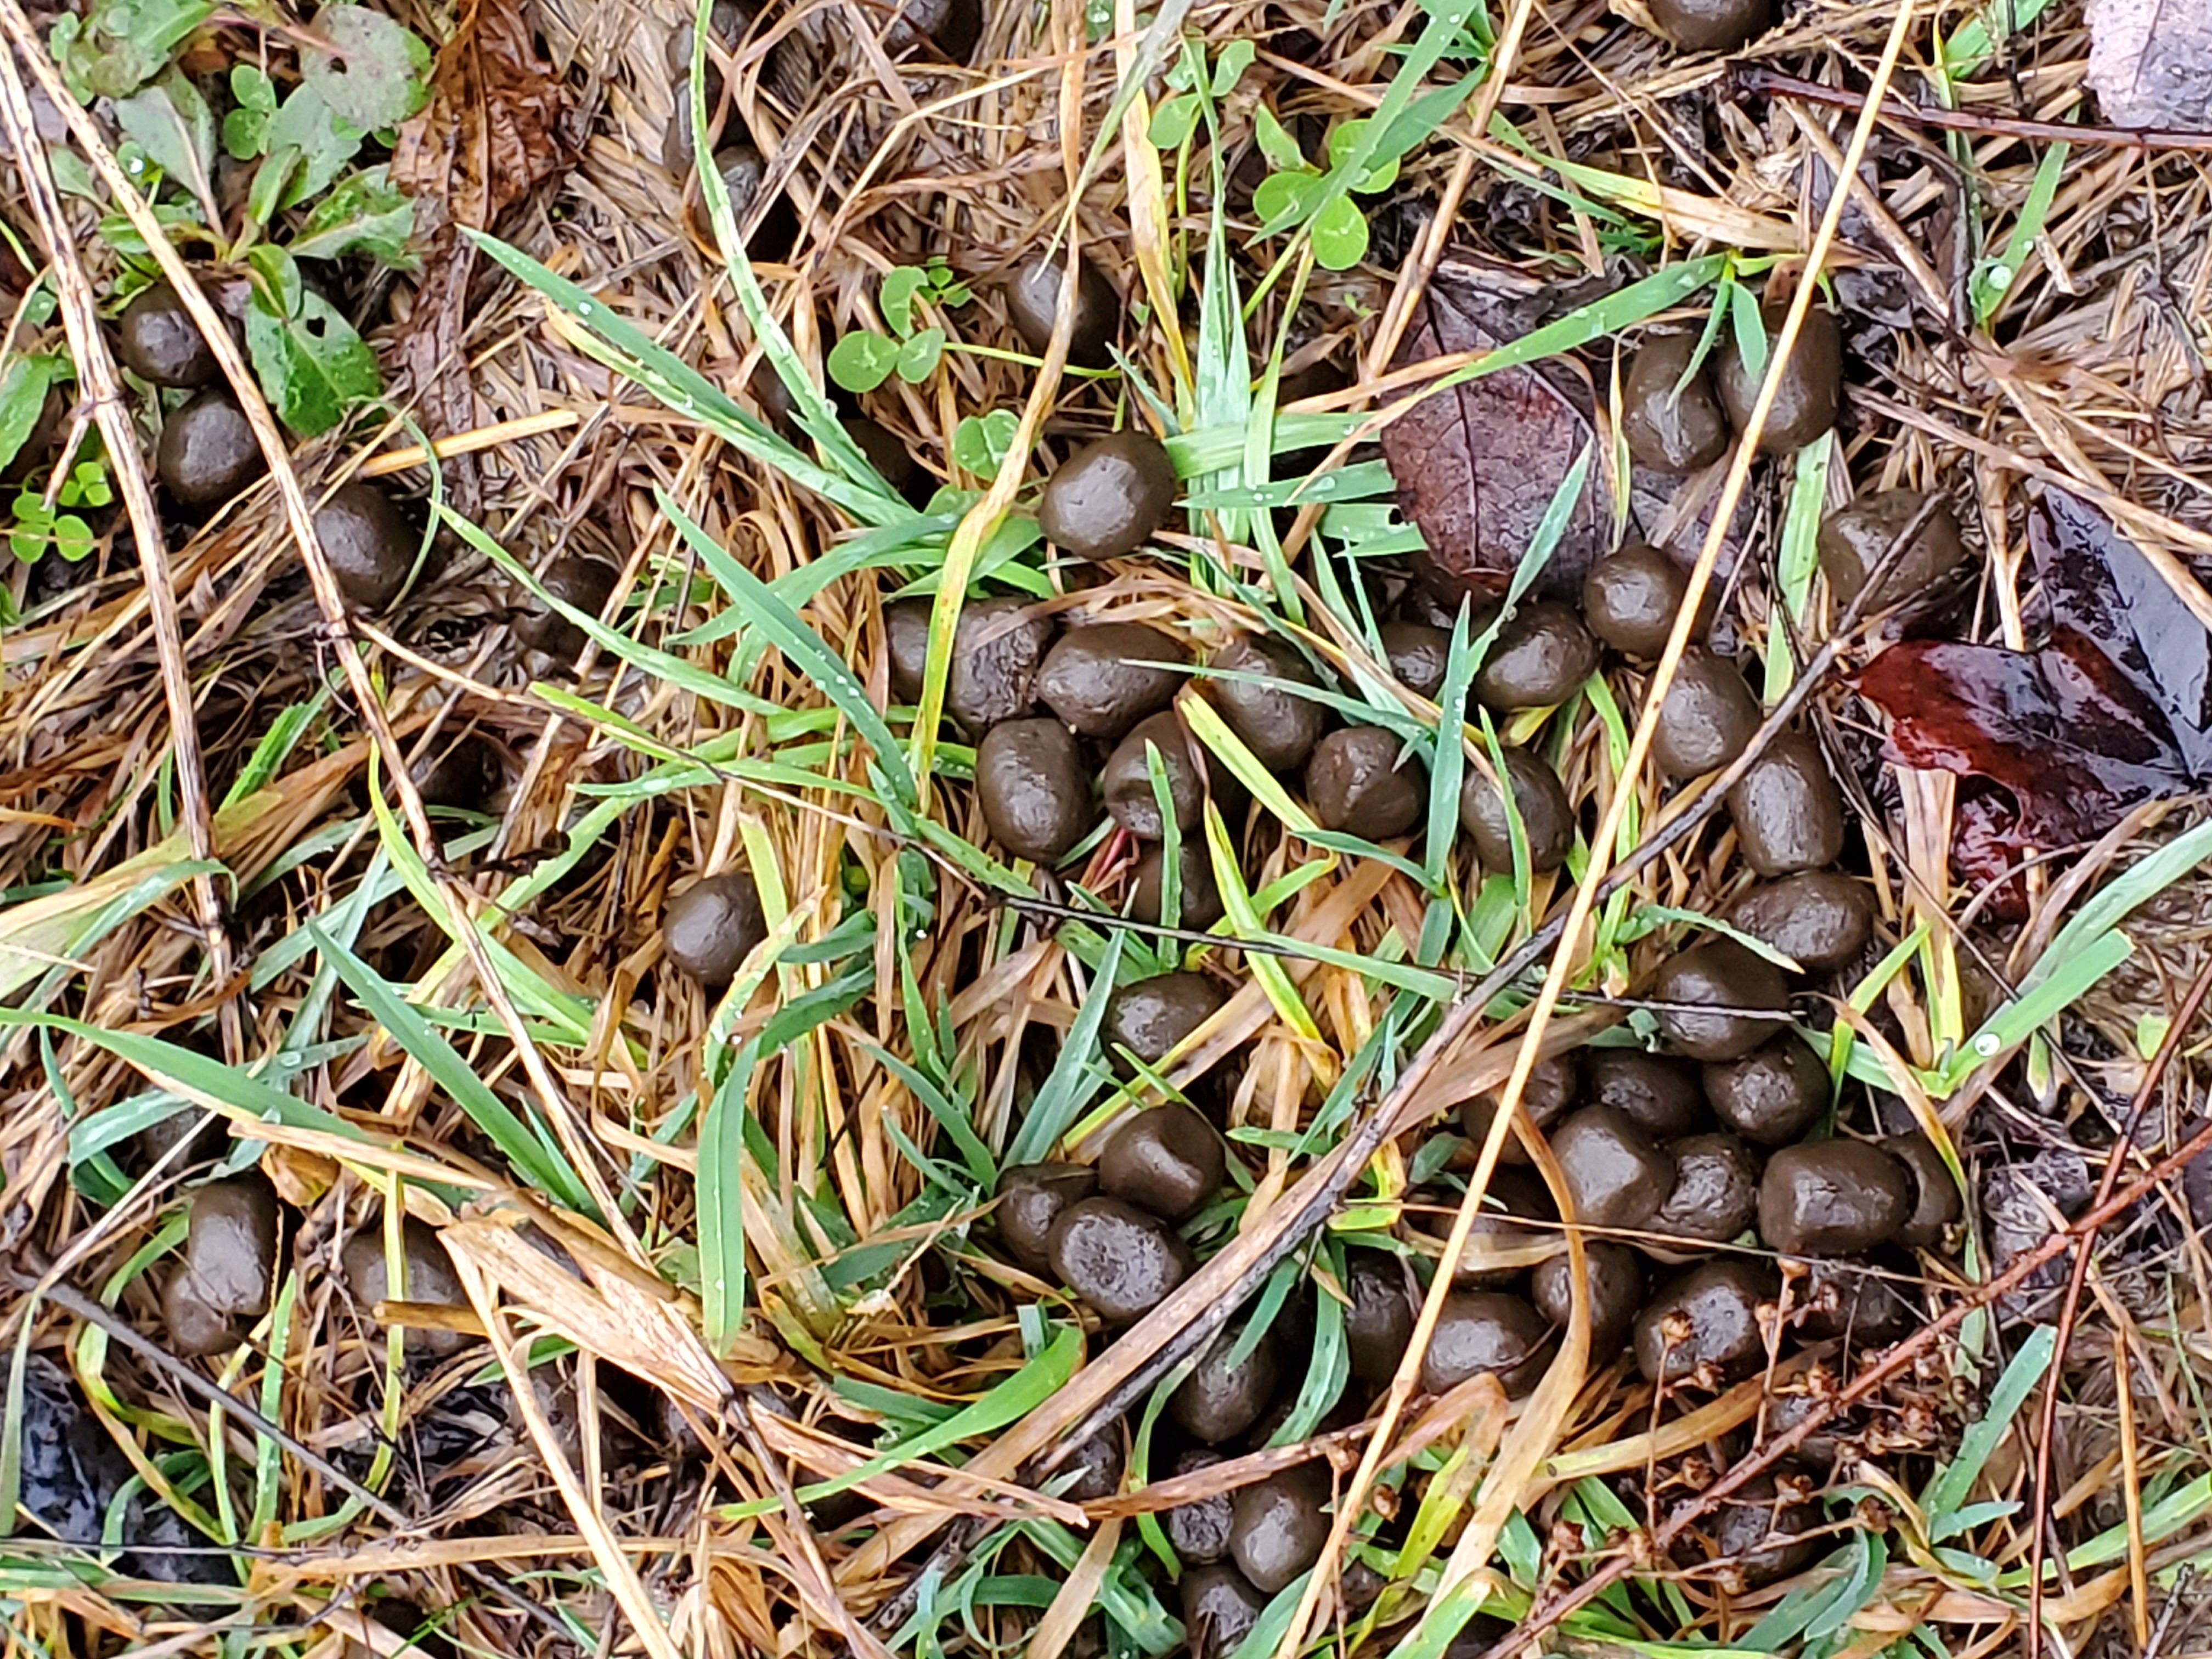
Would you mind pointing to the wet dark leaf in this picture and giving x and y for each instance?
(1478, 465)
(2112, 710)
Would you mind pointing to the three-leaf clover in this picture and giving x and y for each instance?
(1298, 193)
(862, 361)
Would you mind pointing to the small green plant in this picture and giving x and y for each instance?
(980, 442)
(360, 75)
(1299, 193)
(862, 361)
(38, 526)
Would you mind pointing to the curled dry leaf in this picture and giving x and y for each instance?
(488, 135)
(2114, 709)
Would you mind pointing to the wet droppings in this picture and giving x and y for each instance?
(1278, 1526)
(1150, 1017)
(1033, 307)
(999, 648)
(708, 929)
(1278, 726)
(1773, 1095)
(1127, 780)
(1166, 1159)
(1485, 1331)
(429, 1278)
(1726, 1000)
(1715, 1195)
(1659, 1094)
(369, 542)
(207, 452)
(1224, 1395)
(1788, 811)
(1122, 1261)
(1854, 540)
(1362, 780)
(1810, 389)
(1834, 1197)
(1670, 413)
(1541, 656)
(1616, 1278)
(1378, 1322)
(1820, 919)
(1614, 1173)
(228, 1270)
(1104, 678)
(576, 579)
(1707, 719)
(157, 340)
(1030, 1199)
(1034, 787)
(1716, 1307)
(1108, 499)
(1547, 818)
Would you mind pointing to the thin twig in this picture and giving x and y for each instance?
(1752, 78)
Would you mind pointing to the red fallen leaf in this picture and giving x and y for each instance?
(1477, 466)
(2071, 735)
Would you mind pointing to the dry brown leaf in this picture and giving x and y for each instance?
(2150, 61)
(488, 135)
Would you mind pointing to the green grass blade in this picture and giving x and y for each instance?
(1075, 1074)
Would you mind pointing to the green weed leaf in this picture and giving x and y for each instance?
(312, 365)
(980, 442)
(861, 362)
(1285, 198)
(24, 383)
(917, 358)
(1174, 121)
(246, 128)
(118, 46)
(1340, 235)
(1343, 140)
(366, 213)
(1229, 69)
(1750, 330)
(1275, 142)
(324, 139)
(895, 301)
(379, 74)
(171, 123)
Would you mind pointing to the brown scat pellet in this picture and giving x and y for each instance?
(998, 647)
(1672, 426)
(157, 340)
(1721, 995)
(1279, 727)
(1854, 539)
(1541, 656)
(1102, 679)
(1936, 1204)
(228, 1270)
(369, 542)
(1418, 654)
(1279, 1525)
(1122, 1261)
(707, 930)
(1166, 1159)
(1811, 387)
(1224, 1396)
(1631, 600)
(1616, 1292)
(1547, 817)
(1486, 1331)
(1127, 780)
(1361, 780)
(1108, 499)
(574, 579)
(430, 1279)
(1820, 919)
(1706, 718)
(1772, 1095)
(207, 452)
(1833, 1198)
(1716, 1194)
(1150, 1017)
(1788, 811)
(1712, 25)
(1716, 1307)
(1034, 787)
(1033, 307)
(1616, 1176)
(1030, 1198)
